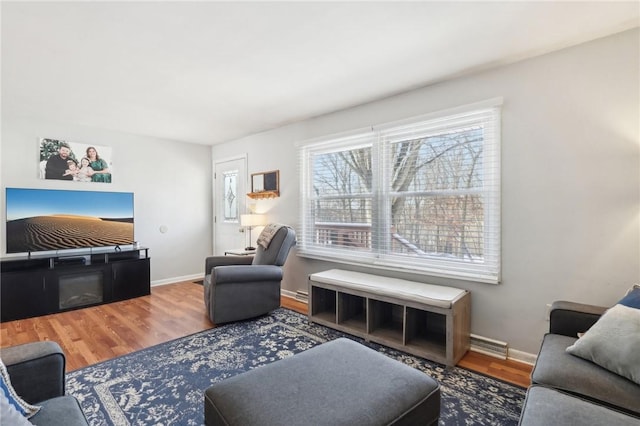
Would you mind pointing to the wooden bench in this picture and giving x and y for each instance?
(426, 320)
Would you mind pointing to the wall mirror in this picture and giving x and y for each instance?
(265, 184)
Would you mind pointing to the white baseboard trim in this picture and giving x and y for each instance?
(174, 280)
(513, 355)
(521, 356)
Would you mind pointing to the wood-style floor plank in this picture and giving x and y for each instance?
(99, 333)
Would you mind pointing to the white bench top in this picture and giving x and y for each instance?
(429, 294)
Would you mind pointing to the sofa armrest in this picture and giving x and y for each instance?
(570, 318)
(213, 261)
(37, 370)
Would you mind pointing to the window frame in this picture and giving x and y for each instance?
(487, 271)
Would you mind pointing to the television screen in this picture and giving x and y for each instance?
(48, 219)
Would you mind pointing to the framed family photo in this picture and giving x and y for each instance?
(74, 161)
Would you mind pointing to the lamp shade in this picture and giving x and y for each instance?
(253, 220)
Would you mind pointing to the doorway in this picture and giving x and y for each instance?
(229, 201)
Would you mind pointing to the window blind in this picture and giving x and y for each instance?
(420, 195)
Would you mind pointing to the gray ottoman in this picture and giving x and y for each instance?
(546, 406)
(337, 383)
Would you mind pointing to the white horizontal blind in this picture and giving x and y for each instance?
(423, 195)
(442, 189)
(337, 198)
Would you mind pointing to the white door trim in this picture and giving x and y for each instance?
(214, 164)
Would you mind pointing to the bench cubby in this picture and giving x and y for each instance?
(352, 311)
(422, 319)
(324, 304)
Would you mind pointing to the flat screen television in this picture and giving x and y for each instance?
(49, 219)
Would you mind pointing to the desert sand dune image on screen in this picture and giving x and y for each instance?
(58, 232)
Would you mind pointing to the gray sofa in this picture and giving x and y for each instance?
(578, 385)
(37, 372)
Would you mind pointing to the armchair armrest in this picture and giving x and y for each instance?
(570, 318)
(213, 261)
(37, 370)
(248, 273)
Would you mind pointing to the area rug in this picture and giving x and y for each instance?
(164, 384)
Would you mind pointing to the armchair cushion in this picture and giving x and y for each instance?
(10, 396)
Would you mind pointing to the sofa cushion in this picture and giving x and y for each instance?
(7, 391)
(613, 342)
(545, 406)
(561, 370)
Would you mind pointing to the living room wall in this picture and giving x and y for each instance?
(570, 180)
(171, 182)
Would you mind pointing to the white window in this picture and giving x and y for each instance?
(422, 195)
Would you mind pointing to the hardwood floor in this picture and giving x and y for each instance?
(102, 332)
(99, 333)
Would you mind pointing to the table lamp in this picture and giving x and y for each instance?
(249, 221)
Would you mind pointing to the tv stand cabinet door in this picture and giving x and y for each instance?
(130, 278)
(25, 294)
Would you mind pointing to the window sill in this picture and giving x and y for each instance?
(409, 269)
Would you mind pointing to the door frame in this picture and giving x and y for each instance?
(241, 206)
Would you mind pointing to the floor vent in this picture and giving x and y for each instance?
(494, 348)
(302, 296)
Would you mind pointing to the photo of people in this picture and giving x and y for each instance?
(73, 161)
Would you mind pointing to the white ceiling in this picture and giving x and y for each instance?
(209, 72)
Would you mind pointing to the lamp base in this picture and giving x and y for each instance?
(249, 248)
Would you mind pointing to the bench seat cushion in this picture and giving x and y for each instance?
(337, 383)
(429, 294)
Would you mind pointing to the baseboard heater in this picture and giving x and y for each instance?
(491, 347)
(302, 296)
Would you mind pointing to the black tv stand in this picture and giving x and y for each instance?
(35, 285)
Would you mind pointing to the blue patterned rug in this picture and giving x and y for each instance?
(164, 384)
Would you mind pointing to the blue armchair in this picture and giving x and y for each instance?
(243, 287)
